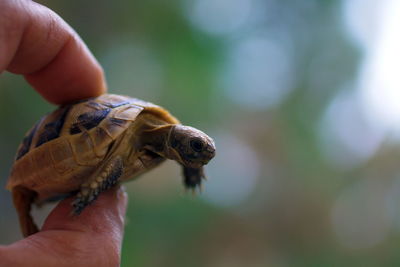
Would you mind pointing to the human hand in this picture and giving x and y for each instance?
(91, 239)
(37, 43)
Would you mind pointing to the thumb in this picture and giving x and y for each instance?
(92, 238)
(105, 215)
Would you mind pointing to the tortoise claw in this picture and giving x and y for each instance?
(99, 183)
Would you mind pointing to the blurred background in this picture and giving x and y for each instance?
(302, 98)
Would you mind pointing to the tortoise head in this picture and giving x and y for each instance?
(189, 146)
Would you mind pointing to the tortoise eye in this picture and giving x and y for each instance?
(196, 145)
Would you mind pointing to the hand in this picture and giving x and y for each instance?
(37, 43)
(91, 239)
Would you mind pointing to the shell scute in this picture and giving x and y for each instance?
(18, 174)
(51, 127)
(92, 104)
(128, 113)
(42, 157)
(89, 120)
(26, 142)
(114, 129)
(83, 149)
(101, 139)
(62, 155)
(114, 101)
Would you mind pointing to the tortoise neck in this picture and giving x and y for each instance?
(157, 140)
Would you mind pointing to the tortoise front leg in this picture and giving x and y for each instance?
(23, 199)
(108, 176)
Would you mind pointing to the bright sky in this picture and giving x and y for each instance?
(367, 111)
(375, 26)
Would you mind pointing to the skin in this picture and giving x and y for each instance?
(38, 44)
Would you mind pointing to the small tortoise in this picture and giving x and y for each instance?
(87, 147)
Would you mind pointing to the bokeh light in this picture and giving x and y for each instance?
(258, 72)
(375, 29)
(219, 16)
(347, 137)
(234, 173)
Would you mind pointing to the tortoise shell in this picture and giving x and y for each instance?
(69, 142)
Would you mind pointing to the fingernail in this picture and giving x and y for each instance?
(122, 198)
(121, 193)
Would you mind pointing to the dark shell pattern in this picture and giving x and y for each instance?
(74, 119)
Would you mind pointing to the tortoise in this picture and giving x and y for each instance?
(84, 148)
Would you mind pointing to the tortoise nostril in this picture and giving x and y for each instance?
(211, 151)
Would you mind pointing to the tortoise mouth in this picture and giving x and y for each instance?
(197, 160)
(196, 163)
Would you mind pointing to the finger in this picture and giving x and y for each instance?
(91, 239)
(103, 215)
(38, 44)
